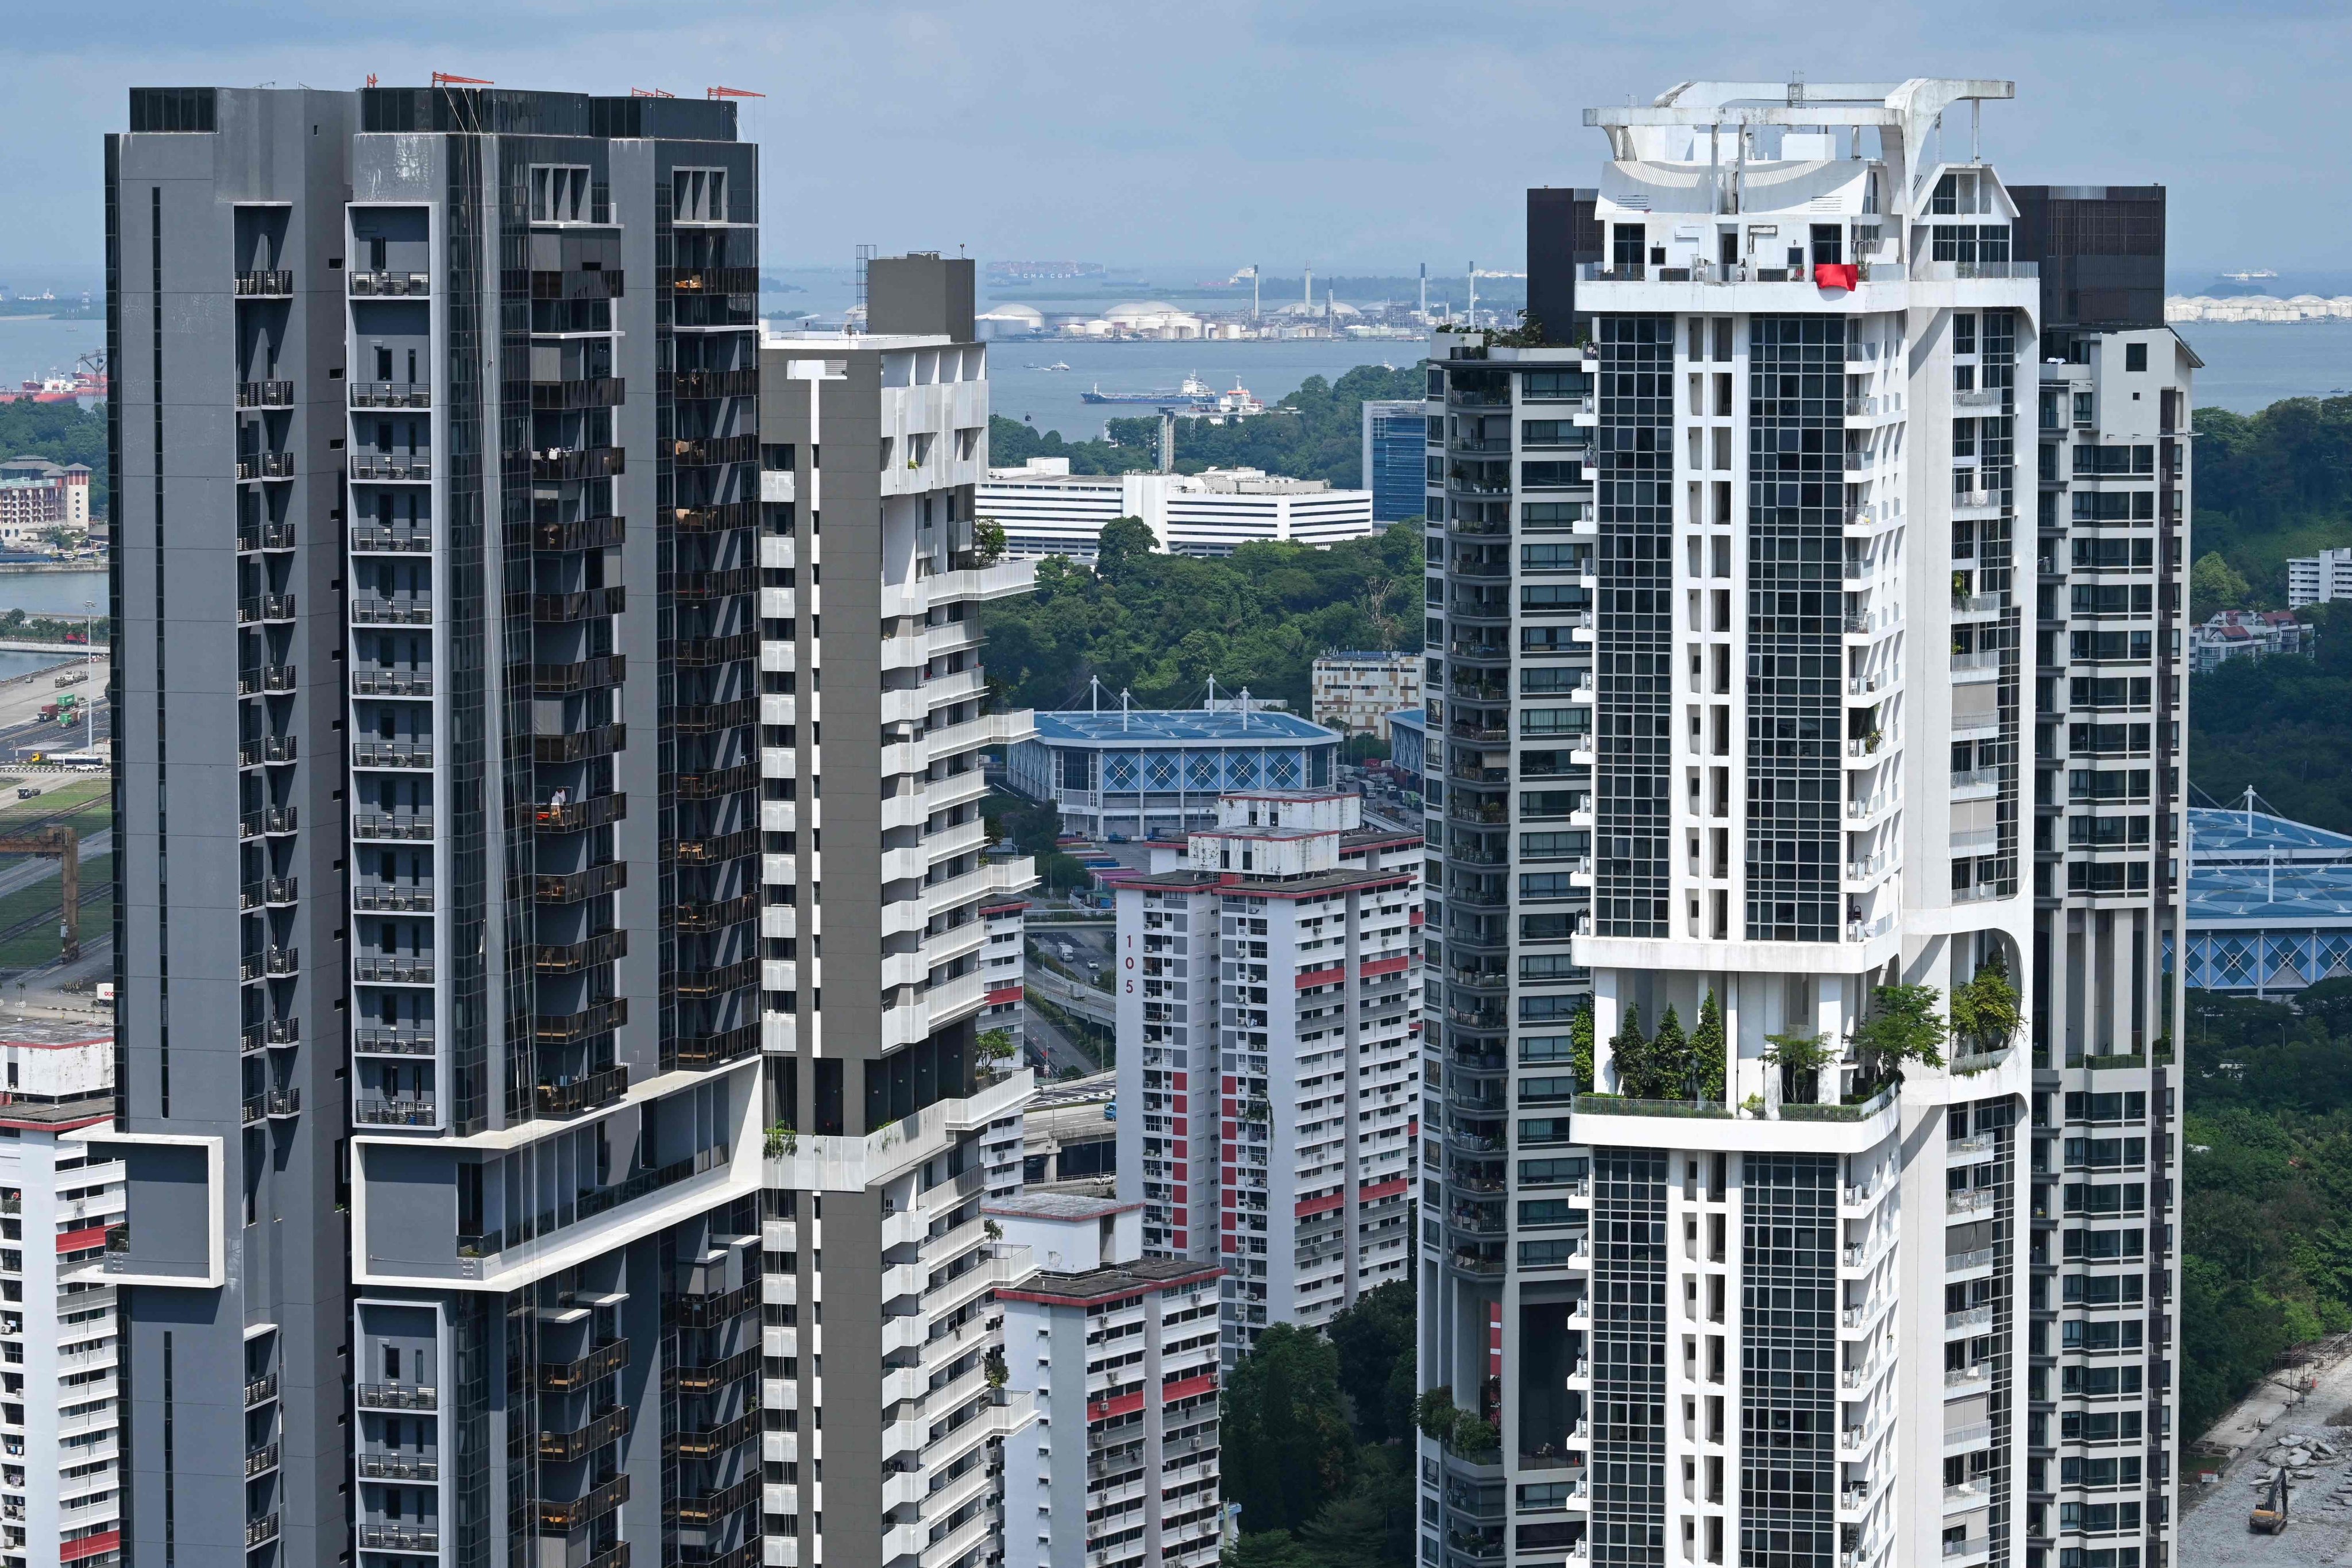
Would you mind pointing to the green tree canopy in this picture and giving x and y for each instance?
(1709, 1062)
(1373, 1337)
(1630, 1051)
(1286, 1449)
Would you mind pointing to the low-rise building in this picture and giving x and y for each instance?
(1354, 691)
(1269, 1022)
(2317, 579)
(37, 495)
(1117, 773)
(60, 1486)
(1407, 742)
(1117, 1353)
(1046, 510)
(2270, 903)
(2247, 634)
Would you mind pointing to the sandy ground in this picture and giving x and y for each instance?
(2280, 1414)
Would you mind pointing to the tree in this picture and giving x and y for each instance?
(1372, 1337)
(1364, 748)
(1579, 1046)
(1800, 1058)
(1373, 1524)
(1986, 1009)
(1901, 1026)
(1287, 1447)
(1670, 1058)
(1267, 1549)
(2215, 584)
(988, 540)
(996, 1045)
(1122, 538)
(1631, 1053)
(1707, 1051)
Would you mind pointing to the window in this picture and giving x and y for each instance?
(2134, 356)
(559, 192)
(698, 195)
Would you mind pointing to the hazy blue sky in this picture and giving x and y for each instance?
(1344, 134)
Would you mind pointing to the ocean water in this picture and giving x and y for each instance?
(2250, 365)
(61, 593)
(1019, 388)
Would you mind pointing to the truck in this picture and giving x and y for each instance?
(49, 711)
(2269, 1516)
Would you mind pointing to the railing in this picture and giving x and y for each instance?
(1975, 778)
(392, 541)
(586, 1092)
(399, 1396)
(393, 1467)
(1972, 1318)
(392, 395)
(273, 284)
(392, 613)
(1927, 271)
(391, 283)
(565, 1377)
(585, 391)
(392, 682)
(413, 898)
(260, 1531)
(1961, 1262)
(1974, 1200)
(265, 607)
(385, 971)
(260, 1390)
(267, 536)
(265, 465)
(559, 464)
(264, 395)
(567, 1447)
(392, 753)
(395, 1112)
(260, 1460)
(377, 466)
(400, 1537)
(389, 1042)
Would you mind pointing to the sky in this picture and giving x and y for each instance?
(1344, 135)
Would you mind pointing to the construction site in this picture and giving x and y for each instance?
(2271, 1483)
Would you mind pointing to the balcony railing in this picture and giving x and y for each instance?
(392, 541)
(390, 970)
(563, 1517)
(392, 753)
(559, 464)
(392, 682)
(389, 1042)
(392, 395)
(398, 1396)
(265, 607)
(391, 612)
(566, 1448)
(395, 1112)
(586, 1093)
(264, 395)
(275, 284)
(391, 283)
(566, 1378)
(399, 1468)
(378, 466)
(400, 1537)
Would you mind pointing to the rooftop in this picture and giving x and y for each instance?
(1118, 1279)
(61, 1114)
(1057, 1206)
(2254, 868)
(43, 1032)
(1150, 726)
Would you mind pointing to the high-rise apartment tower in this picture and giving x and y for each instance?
(1789, 741)
(435, 606)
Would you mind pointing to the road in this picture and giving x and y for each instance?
(1053, 1045)
(1084, 1000)
(2213, 1532)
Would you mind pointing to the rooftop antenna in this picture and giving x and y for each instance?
(1210, 705)
(1246, 702)
(1123, 706)
(1094, 693)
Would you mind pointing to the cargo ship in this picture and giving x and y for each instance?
(1193, 390)
(89, 380)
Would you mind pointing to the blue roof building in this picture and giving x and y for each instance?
(1157, 773)
(2270, 903)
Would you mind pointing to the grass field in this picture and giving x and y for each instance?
(35, 909)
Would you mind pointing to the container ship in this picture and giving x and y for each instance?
(1194, 400)
(1193, 391)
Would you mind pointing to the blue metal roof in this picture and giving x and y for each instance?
(1411, 718)
(1163, 727)
(2259, 870)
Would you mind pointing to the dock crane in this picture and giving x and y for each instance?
(62, 841)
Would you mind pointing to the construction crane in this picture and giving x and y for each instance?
(443, 79)
(731, 93)
(62, 841)
(2270, 1514)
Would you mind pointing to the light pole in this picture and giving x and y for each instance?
(90, 669)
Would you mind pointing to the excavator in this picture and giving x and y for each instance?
(2270, 1514)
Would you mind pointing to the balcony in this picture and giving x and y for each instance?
(371, 541)
(558, 609)
(265, 607)
(563, 1517)
(378, 1041)
(595, 1018)
(570, 1377)
(392, 612)
(569, 1448)
(382, 467)
(395, 1112)
(573, 886)
(260, 1531)
(400, 1537)
(597, 532)
(392, 753)
(712, 1310)
(261, 1390)
(267, 749)
(569, 1097)
(580, 815)
(275, 284)
(279, 1103)
(570, 958)
(264, 395)
(584, 675)
(389, 284)
(260, 1461)
(265, 465)
(392, 395)
(392, 682)
(398, 1467)
(558, 465)
(386, 970)
(587, 392)
(398, 1396)
(267, 536)
(394, 898)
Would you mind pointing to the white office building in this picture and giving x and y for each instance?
(1752, 698)
(2317, 579)
(1117, 1355)
(1046, 510)
(1356, 690)
(1268, 988)
(61, 1483)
